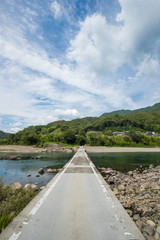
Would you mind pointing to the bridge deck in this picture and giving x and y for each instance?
(76, 205)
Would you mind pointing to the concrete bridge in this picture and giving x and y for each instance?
(77, 204)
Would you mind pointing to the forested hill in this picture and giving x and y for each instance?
(150, 109)
(3, 135)
(94, 131)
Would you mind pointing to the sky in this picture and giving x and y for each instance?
(68, 59)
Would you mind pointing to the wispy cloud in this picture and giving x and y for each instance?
(56, 9)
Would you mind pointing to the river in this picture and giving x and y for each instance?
(26, 169)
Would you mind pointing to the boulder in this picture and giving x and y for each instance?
(136, 217)
(30, 186)
(36, 157)
(150, 238)
(151, 223)
(14, 157)
(16, 186)
(149, 230)
(139, 224)
(158, 229)
(41, 171)
(121, 187)
(156, 236)
(50, 170)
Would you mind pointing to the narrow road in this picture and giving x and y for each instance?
(76, 205)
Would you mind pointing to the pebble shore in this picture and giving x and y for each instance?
(139, 193)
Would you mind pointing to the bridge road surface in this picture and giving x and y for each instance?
(76, 205)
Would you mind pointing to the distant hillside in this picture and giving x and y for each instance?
(150, 109)
(4, 135)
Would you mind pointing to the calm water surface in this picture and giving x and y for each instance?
(17, 170)
(124, 162)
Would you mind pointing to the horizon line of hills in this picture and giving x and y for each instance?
(145, 114)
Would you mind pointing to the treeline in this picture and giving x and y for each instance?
(93, 131)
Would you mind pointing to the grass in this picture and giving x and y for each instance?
(12, 203)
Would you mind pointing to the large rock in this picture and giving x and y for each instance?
(158, 229)
(121, 187)
(139, 224)
(151, 223)
(16, 186)
(150, 230)
(41, 171)
(14, 157)
(50, 170)
(30, 186)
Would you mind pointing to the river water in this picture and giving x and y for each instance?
(19, 170)
(125, 162)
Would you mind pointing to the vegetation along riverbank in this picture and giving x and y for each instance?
(13, 199)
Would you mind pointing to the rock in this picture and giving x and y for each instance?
(136, 217)
(158, 229)
(115, 191)
(151, 223)
(121, 187)
(130, 173)
(139, 224)
(41, 171)
(150, 238)
(111, 180)
(13, 157)
(149, 230)
(156, 236)
(37, 175)
(41, 188)
(151, 166)
(130, 213)
(50, 170)
(16, 186)
(34, 187)
(28, 175)
(145, 186)
(36, 157)
(127, 205)
(30, 186)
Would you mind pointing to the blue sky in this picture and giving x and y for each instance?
(69, 59)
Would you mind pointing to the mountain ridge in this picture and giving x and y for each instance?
(149, 109)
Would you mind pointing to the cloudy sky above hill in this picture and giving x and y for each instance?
(67, 59)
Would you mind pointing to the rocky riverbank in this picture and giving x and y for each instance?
(139, 193)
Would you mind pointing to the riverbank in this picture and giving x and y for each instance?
(139, 193)
(99, 149)
(32, 149)
(58, 148)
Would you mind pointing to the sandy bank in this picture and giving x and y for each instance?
(19, 149)
(119, 149)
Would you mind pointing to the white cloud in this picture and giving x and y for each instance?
(56, 9)
(87, 80)
(13, 129)
(16, 124)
